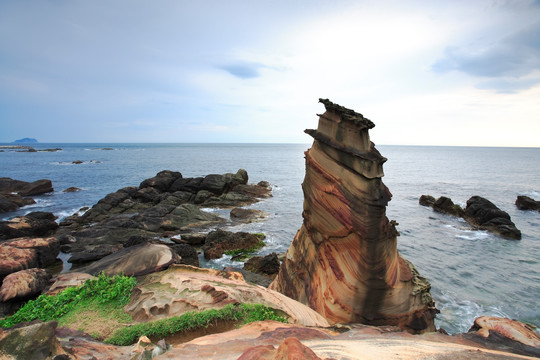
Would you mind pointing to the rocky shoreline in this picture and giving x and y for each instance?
(342, 288)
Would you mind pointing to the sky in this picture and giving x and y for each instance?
(463, 73)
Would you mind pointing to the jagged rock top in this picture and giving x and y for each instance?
(347, 114)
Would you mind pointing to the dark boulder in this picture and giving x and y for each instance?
(188, 254)
(427, 200)
(35, 340)
(72, 189)
(219, 241)
(11, 202)
(267, 265)
(446, 205)
(484, 214)
(479, 213)
(162, 181)
(33, 224)
(38, 187)
(527, 203)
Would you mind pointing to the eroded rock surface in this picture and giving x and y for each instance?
(134, 261)
(184, 288)
(359, 342)
(343, 262)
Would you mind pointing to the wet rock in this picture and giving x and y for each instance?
(479, 213)
(134, 261)
(527, 203)
(188, 254)
(11, 202)
(24, 284)
(485, 215)
(267, 265)
(247, 215)
(193, 239)
(343, 262)
(23, 188)
(35, 224)
(36, 341)
(219, 241)
(72, 189)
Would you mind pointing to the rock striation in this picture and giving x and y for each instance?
(343, 262)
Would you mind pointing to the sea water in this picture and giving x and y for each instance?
(472, 272)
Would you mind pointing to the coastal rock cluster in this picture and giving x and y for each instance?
(167, 204)
(17, 193)
(479, 213)
(343, 262)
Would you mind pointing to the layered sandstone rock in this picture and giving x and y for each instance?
(344, 261)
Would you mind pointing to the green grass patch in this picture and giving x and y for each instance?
(194, 320)
(104, 291)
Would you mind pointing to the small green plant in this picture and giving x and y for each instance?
(193, 320)
(102, 290)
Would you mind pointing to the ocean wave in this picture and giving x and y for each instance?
(473, 235)
(457, 315)
(66, 213)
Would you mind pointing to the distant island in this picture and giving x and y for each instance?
(25, 141)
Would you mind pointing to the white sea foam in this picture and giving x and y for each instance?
(457, 315)
(473, 235)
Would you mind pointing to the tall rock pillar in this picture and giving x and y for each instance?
(343, 262)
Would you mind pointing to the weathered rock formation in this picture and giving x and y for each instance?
(479, 213)
(527, 203)
(184, 288)
(135, 260)
(343, 262)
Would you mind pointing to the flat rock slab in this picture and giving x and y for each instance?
(184, 288)
(361, 342)
(134, 261)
